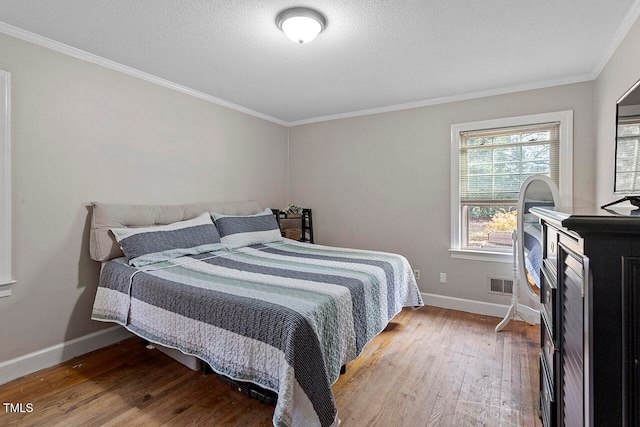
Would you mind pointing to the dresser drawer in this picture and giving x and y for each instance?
(549, 353)
(551, 238)
(549, 299)
(548, 403)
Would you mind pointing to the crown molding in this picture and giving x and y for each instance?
(449, 99)
(620, 34)
(624, 28)
(95, 59)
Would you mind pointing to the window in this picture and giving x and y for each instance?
(493, 165)
(490, 161)
(5, 186)
(628, 155)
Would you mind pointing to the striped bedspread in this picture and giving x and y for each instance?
(284, 315)
(532, 242)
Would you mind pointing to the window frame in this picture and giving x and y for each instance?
(6, 281)
(565, 175)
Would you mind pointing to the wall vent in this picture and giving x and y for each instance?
(500, 285)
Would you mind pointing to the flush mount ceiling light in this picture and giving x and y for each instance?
(301, 24)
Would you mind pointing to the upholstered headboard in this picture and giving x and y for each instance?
(102, 244)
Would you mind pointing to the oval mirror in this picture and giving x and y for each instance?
(537, 190)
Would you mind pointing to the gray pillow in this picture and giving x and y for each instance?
(145, 245)
(238, 231)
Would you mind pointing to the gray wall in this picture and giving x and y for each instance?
(620, 73)
(383, 181)
(83, 133)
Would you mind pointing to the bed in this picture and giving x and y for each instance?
(252, 305)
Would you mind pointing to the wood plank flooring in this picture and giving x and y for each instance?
(430, 367)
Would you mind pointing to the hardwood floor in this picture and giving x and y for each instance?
(430, 367)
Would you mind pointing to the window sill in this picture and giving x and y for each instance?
(5, 288)
(503, 257)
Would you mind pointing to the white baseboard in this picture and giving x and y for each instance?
(47, 357)
(479, 307)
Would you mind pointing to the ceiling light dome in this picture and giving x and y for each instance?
(301, 24)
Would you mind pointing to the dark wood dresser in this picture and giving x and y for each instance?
(590, 318)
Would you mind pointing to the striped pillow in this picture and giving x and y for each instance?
(239, 231)
(146, 245)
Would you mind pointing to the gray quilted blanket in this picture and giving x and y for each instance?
(285, 315)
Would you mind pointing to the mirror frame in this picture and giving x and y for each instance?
(522, 199)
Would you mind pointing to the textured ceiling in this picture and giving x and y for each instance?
(373, 55)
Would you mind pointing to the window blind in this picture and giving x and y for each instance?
(495, 162)
(628, 155)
